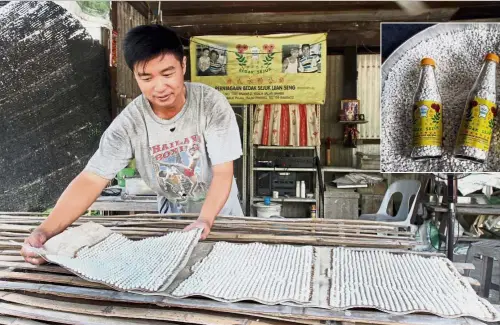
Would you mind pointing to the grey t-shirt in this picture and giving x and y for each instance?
(175, 156)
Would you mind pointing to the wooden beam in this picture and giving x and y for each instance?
(242, 7)
(131, 313)
(68, 318)
(182, 8)
(350, 72)
(113, 76)
(8, 320)
(363, 316)
(51, 278)
(40, 268)
(141, 7)
(306, 17)
(486, 12)
(263, 29)
(335, 39)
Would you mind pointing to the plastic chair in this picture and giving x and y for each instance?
(409, 189)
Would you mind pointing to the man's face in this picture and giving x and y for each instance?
(213, 56)
(306, 51)
(161, 80)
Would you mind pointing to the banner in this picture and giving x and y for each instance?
(271, 69)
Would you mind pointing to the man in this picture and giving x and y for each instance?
(215, 65)
(309, 63)
(183, 136)
(291, 63)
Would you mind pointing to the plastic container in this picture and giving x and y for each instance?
(267, 211)
(125, 172)
(313, 211)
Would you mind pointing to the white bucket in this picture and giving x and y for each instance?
(266, 211)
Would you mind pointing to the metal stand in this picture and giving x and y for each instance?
(451, 215)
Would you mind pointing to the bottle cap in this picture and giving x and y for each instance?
(428, 61)
(492, 57)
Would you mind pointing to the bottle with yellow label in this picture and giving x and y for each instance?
(474, 136)
(427, 113)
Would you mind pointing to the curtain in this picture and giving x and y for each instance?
(295, 125)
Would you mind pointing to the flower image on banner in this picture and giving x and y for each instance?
(271, 69)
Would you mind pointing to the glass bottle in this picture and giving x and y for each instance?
(427, 113)
(474, 136)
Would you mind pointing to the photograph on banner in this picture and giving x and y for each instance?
(211, 61)
(302, 58)
(279, 68)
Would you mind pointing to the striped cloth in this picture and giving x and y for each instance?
(294, 125)
(215, 68)
(310, 63)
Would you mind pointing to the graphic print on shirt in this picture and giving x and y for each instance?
(178, 171)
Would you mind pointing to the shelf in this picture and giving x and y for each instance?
(353, 122)
(286, 199)
(279, 169)
(348, 170)
(284, 148)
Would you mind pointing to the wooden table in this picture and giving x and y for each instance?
(49, 293)
(52, 294)
(467, 209)
(461, 209)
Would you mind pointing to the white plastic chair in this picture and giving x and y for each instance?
(409, 189)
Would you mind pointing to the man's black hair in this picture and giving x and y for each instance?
(214, 51)
(305, 45)
(145, 42)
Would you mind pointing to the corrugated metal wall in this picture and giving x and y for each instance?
(128, 17)
(369, 94)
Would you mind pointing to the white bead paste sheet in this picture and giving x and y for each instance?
(402, 284)
(269, 274)
(146, 265)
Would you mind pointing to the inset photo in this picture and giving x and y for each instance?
(439, 97)
(291, 59)
(301, 58)
(211, 61)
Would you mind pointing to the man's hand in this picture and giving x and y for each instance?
(200, 223)
(36, 239)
